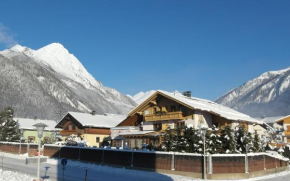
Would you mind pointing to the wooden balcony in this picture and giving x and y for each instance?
(164, 116)
(287, 133)
(68, 132)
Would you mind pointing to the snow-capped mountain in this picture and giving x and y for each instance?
(142, 96)
(268, 95)
(50, 81)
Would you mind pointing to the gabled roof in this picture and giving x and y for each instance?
(96, 121)
(27, 124)
(270, 119)
(281, 119)
(200, 104)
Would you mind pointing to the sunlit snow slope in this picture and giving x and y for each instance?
(51, 81)
(268, 94)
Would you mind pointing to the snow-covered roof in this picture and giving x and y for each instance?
(209, 106)
(25, 123)
(281, 118)
(125, 128)
(270, 119)
(102, 121)
(136, 133)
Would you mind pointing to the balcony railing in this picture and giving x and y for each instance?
(164, 116)
(68, 132)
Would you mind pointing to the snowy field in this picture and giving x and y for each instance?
(119, 173)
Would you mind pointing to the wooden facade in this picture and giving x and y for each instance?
(93, 135)
(161, 111)
(285, 123)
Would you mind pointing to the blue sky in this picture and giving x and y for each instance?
(208, 47)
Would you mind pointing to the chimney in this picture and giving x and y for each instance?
(187, 93)
(263, 116)
(93, 113)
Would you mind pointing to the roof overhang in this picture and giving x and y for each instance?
(282, 119)
(69, 117)
(153, 96)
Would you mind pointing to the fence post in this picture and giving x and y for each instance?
(79, 153)
(209, 164)
(246, 164)
(173, 162)
(265, 163)
(59, 151)
(27, 148)
(103, 155)
(132, 159)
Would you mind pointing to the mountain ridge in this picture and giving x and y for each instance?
(41, 73)
(268, 95)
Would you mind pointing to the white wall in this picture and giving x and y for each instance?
(207, 117)
(148, 126)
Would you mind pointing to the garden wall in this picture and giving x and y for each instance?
(17, 148)
(220, 166)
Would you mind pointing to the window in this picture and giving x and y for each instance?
(46, 139)
(173, 108)
(179, 124)
(97, 139)
(31, 139)
(157, 127)
(117, 143)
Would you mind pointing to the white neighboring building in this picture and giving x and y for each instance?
(90, 127)
(29, 132)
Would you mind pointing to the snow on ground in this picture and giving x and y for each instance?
(143, 175)
(14, 176)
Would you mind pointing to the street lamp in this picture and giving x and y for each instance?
(20, 139)
(203, 130)
(39, 127)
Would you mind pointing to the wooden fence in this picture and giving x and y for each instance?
(219, 166)
(17, 148)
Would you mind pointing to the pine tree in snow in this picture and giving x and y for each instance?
(188, 135)
(257, 146)
(228, 140)
(214, 143)
(244, 139)
(180, 138)
(168, 139)
(9, 130)
(197, 142)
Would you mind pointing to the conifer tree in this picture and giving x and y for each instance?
(228, 140)
(257, 147)
(197, 142)
(181, 141)
(188, 135)
(168, 139)
(244, 139)
(9, 130)
(214, 143)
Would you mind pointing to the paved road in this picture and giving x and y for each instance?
(54, 172)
